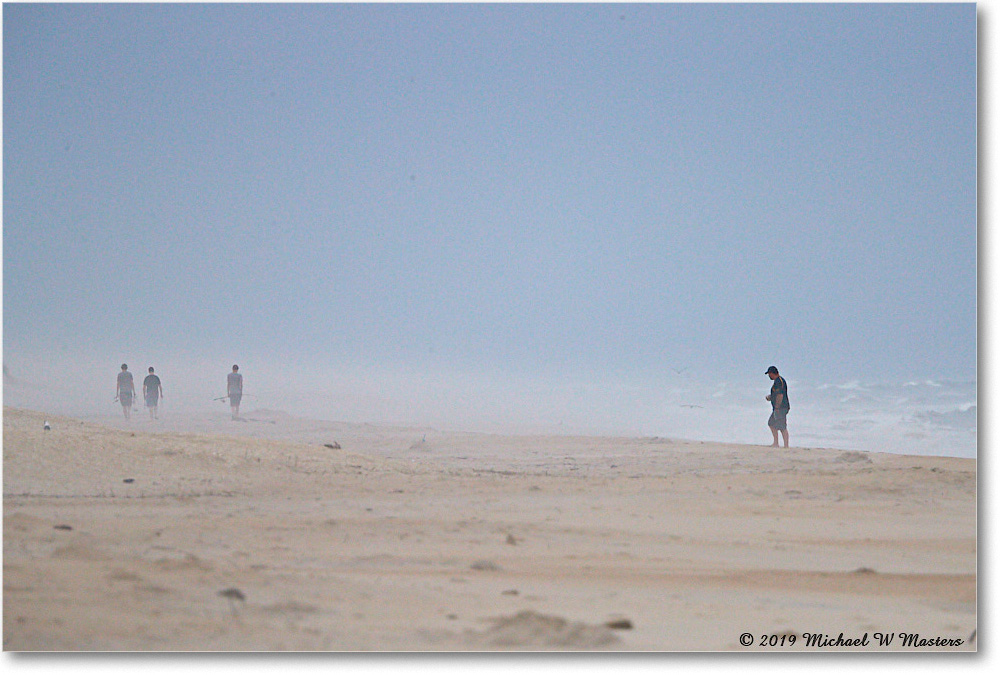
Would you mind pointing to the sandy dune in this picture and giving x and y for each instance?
(205, 534)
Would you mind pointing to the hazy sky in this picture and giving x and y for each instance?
(511, 187)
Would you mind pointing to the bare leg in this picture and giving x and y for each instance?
(774, 432)
(784, 435)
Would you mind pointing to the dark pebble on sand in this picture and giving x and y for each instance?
(62, 527)
(233, 594)
(485, 566)
(619, 624)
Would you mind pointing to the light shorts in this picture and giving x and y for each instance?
(777, 420)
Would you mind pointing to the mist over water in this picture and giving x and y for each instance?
(920, 417)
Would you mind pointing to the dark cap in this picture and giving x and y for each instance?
(770, 370)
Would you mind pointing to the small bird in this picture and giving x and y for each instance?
(45, 425)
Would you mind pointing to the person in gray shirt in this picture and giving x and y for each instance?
(125, 391)
(152, 391)
(779, 406)
(234, 390)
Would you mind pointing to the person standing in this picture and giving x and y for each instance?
(234, 389)
(152, 391)
(779, 406)
(125, 391)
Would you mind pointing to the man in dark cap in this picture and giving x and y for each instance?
(779, 406)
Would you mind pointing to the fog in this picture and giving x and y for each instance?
(499, 401)
(913, 417)
(558, 218)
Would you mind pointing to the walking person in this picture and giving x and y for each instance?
(125, 391)
(234, 390)
(152, 391)
(779, 406)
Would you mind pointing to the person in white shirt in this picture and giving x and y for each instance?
(234, 390)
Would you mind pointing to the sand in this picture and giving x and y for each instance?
(200, 533)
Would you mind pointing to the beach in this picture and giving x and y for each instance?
(196, 532)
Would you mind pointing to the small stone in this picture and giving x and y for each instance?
(332, 446)
(62, 527)
(233, 594)
(619, 624)
(485, 566)
(129, 480)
